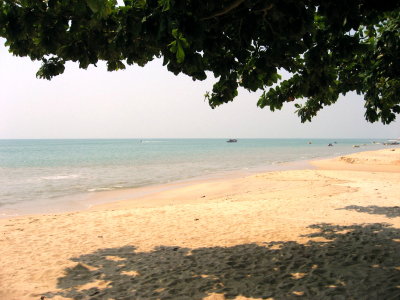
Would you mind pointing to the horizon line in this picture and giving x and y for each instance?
(193, 138)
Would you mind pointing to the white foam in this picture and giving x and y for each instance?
(60, 177)
(153, 141)
(105, 188)
(8, 215)
(100, 189)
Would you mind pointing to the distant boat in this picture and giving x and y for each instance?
(231, 141)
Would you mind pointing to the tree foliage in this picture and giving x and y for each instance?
(328, 47)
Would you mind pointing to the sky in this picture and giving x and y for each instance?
(151, 102)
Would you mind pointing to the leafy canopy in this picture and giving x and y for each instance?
(328, 47)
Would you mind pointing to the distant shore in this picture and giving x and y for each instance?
(242, 237)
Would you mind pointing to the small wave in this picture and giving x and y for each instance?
(8, 215)
(60, 177)
(153, 142)
(99, 189)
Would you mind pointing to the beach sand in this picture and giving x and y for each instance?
(326, 233)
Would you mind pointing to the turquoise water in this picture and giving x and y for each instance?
(44, 171)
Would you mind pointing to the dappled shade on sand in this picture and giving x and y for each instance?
(339, 262)
(388, 211)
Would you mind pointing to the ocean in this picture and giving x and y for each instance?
(47, 174)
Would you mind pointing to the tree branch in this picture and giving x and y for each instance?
(265, 10)
(225, 10)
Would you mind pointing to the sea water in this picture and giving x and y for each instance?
(45, 171)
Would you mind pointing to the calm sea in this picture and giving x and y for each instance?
(47, 172)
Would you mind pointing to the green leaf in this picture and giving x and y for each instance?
(178, 45)
(101, 8)
(175, 33)
(164, 4)
(180, 53)
(184, 42)
(140, 4)
(172, 47)
(96, 5)
(115, 65)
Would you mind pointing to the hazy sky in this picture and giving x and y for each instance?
(151, 102)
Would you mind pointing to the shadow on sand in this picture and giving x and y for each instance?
(388, 211)
(353, 262)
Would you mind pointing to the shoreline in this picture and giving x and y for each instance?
(88, 200)
(108, 198)
(310, 232)
(194, 187)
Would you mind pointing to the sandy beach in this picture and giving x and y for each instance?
(327, 233)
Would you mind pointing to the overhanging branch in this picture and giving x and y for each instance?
(232, 6)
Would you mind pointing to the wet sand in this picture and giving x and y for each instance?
(326, 233)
